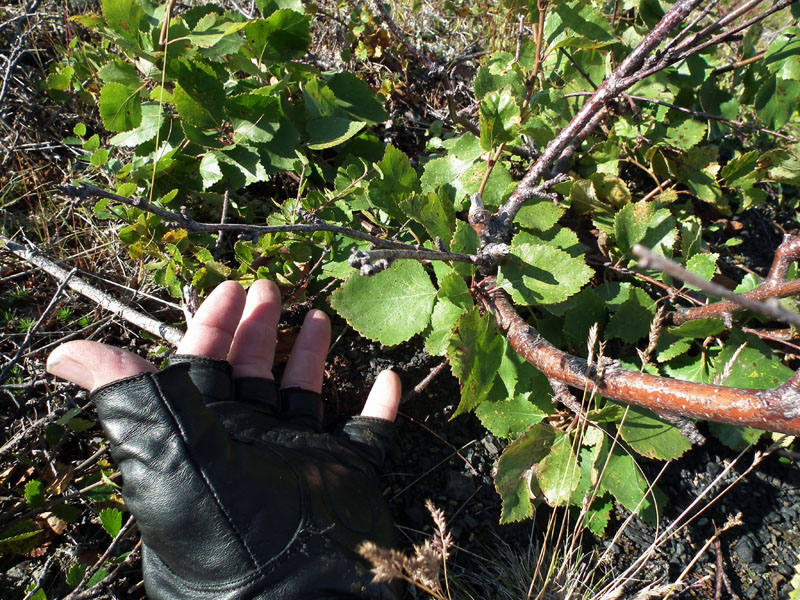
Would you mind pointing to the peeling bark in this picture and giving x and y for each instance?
(776, 409)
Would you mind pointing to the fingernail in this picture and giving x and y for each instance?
(68, 369)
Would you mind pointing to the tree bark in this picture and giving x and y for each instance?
(776, 409)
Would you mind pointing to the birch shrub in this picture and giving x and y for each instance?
(210, 115)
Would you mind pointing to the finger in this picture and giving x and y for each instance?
(92, 364)
(253, 347)
(306, 364)
(211, 331)
(384, 397)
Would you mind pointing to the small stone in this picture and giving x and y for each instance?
(751, 593)
(745, 550)
(459, 486)
(489, 445)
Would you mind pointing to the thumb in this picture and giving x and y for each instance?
(384, 397)
(92, 364)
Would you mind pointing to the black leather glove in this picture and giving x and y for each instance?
(237, 492)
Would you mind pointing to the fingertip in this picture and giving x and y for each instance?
(318, 318)
(306, 363)
(92, 364)
(384, 397)
(252, 351)
(210, 332)
(264, 289)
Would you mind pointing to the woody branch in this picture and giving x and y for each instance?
(776, 409)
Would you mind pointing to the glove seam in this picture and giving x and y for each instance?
(203, 475)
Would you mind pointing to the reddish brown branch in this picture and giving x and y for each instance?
(774, 286)
(721, 310)
(776, 409)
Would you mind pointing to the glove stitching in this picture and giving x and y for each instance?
(197, 468)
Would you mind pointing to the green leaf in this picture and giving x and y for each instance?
(686, 133)
(699, 328)
(119, 107)
(652, 437)
(199, 94)
(267, 7)
(92, 144)
(631, 320)
(255, 117)
(125, 17)
(623, 480)
(79, 129)
(741, 168)
(210, 171)
(241, 165)
(702, 264)
(499, 117)
(557, 237)
(558, 473)
(540, 274)
(776, 101)
(475, 352)
(212, 29)
(101, 574)
(326, 132)
(756, 365)
(540, 214)
(611, 189)
(111, 520)
(669, 347)
(99, 157)
(515, 472)
(598, 516)
(35, 595)
(285, 35)
(389, 307)
(453, 300)
(499, 72)
(354, 97)
(34, 493)
(396, 180)
(512, 416)
(584, 20)
(432, 211)
(118, 71)
(152, 118)
(689, 368)
(736, 438)
(66, 512)
(585, 309)
(19, 538)
(783, 55)
(75, 575)
(644, 223)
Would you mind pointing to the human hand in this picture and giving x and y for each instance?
(236, 491)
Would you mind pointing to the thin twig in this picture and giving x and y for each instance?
(417, 389)
(152, 326)
(31, 330)
(770, 308)
(84, 190)
(699, 114)
(78, 593)
(738, 64)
